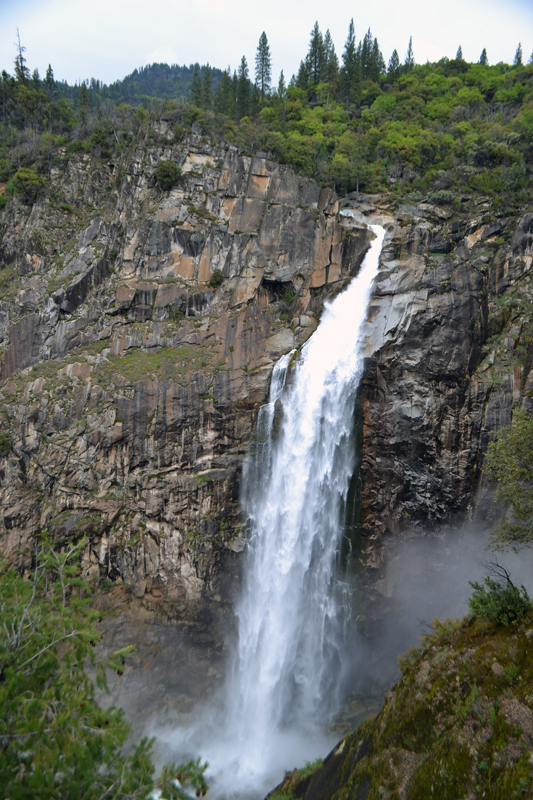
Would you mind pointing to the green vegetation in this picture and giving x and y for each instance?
(216, 279)
(510, 460)
(457, 724)
(498, 599)
(445, 131)
(56, 741)
(167, 174)
(5, 444)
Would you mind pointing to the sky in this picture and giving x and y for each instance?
(107, 39)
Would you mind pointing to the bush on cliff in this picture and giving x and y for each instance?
(498, 599)
(167, 174)
(55, 740)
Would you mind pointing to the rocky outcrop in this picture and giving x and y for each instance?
(139, 329)
(449, 356)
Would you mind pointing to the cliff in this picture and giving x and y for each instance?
(139, 328)
(458, 724)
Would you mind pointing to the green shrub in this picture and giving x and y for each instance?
(5, 444)
(167, 174)
(65, 207)
(28, 183)
(216, 279)
(498, 599)
(3, 201)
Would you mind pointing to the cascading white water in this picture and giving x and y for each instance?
(288, 661)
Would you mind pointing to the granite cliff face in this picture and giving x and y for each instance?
(449, 354)
(132, 369)
(139, 329)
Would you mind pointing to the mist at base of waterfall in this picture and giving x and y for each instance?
(235, 772)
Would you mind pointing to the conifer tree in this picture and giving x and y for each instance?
(51, 92)
(530, 59)
(224, 100)
(302, 78)
(347, 74)
(84, 103)
(518, 56)
(459, 54)
(316, 56)
(282, 89)
(196, 87)
(243, 90)
(410, 56)
(394, 68)
(377, 64)
(207, 88)
(331, 73)
(263, 67)
(366, 55)
(22, 73)
(483, 59)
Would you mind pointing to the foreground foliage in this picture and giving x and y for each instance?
(498, 599)
(55, 740)
(458, 724)
(510, 461)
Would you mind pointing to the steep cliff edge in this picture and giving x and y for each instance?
(458, 724)
(139, 328)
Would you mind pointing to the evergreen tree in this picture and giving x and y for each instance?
(302, 78)
(196, 87)
(84, 103)
(315, 60)
(518, 56)
(243, 90)
(530, 59)
(51, 92)
(410, 56)
(347, 74)
(36, 79)
(331, 73)
(282, 89)
(224, 100)
(459, 54)
(22, 73)
(377, 64)
(483, 59)
(366, 55)
(207, 88)
(394, 68)
(263, 67)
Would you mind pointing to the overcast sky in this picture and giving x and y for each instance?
(107, 39)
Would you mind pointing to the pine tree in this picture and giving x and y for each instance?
(394, 68)
(207, 88)
(51, 92)
(331, 73)
(530, 59)
(196, 87)
(483, 59)
(410, 56)
(224, 100)
(366, 55)
(315, 57)
(349, 65)
(263, 67)
(518, 56)
(302, 78)
(22, 73)
(377, 64)
(84, 103)
(243, 90)
(282, 89)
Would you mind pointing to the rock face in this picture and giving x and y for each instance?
(449, 355)
(139, 328)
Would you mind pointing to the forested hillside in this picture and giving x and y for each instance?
(446, 131)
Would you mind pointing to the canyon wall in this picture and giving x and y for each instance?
(139, 328)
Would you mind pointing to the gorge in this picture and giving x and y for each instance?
(131, 383)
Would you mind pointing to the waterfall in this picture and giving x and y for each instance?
(285, 676)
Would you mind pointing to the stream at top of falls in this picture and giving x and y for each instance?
(284, 680)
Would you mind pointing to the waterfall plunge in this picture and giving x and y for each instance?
(284, 679)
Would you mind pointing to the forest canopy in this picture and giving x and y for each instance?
(442, 131)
